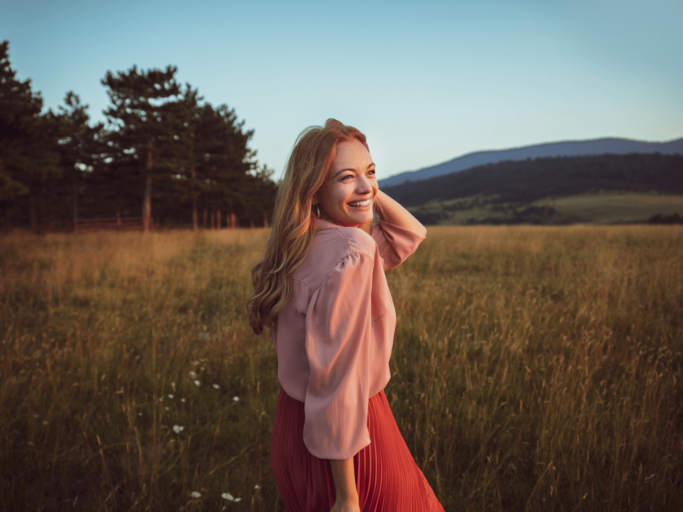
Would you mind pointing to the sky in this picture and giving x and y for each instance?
(425, 81)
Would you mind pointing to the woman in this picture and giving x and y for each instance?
(321, 289)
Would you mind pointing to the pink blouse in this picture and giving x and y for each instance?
(334, 338)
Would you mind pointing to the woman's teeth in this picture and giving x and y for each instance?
(360, 203)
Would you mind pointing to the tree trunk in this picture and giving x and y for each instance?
(204, 219)
(232, 221)
(194, 201)
(32, 212)
(8, 217)
(218, 218)
(147, 204)
(147, 198)
(74, 193)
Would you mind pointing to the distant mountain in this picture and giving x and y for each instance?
(523, 182)
(552, 149)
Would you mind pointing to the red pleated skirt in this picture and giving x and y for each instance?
(387, 478)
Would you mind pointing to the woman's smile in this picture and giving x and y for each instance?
(361, 204)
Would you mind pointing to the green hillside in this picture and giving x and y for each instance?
(605, 189)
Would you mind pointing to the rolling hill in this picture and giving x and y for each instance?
(614, 146)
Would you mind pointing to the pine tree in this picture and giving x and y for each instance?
(26, 141)
(146, 117)
(223, 160)
(80, 147)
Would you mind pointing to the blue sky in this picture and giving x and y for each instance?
(425, 81)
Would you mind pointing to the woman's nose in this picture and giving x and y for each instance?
(363, 185)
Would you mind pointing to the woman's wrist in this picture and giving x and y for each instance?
(344, 482)
(391, 211)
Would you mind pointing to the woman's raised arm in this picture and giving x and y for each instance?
(397, 233)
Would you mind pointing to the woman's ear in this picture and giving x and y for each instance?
(315, 199)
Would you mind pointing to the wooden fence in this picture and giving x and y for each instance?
(135, 224)
(110, 224)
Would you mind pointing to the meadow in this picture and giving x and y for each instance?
(590, 208)
(534, 368)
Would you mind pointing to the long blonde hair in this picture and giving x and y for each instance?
(294, 225)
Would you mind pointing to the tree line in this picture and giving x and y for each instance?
(164, 156)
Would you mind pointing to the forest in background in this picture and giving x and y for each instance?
(515, 192)
(165, 157)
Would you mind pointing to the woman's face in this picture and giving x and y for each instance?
(347, 195)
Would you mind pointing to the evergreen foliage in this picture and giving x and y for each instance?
(165, 155)
(27, 158)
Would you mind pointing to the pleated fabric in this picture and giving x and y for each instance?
(387, 478)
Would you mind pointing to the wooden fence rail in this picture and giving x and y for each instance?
(109, 224)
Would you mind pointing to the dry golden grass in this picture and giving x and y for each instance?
(533, 369)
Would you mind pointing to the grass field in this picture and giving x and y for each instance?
(534, 368)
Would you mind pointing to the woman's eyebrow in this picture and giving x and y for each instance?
(349, 169)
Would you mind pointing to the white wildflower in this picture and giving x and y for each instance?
(178, 429)
(170, 396)
(182, 399)
(197, 383)
(256, 486)
(238, 499)
(227, 496)
(193, 374)
(168, 408)
(236, 398)
(216, 386)
(195, 494)
(161, 399)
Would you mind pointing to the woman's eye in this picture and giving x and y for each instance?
(371, 172)
(347, 176)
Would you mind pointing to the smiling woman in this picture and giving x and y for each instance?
(321, 289)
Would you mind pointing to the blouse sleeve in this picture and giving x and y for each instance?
(339, 334)
(395, 243)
